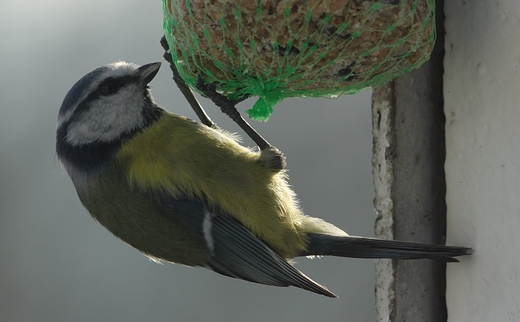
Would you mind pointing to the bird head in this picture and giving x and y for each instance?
(105, 106)
(107, 103)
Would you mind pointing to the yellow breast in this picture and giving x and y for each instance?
(178, 156)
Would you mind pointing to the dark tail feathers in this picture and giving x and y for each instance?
(362, 247)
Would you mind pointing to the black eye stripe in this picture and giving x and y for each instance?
(85, 105)
(109, 86)
(120, 82)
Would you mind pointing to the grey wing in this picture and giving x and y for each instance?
(237, 253)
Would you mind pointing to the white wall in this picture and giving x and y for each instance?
(482, 105)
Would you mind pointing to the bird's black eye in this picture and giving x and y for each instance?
(109, 87)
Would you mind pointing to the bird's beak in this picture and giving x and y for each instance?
(147, 72)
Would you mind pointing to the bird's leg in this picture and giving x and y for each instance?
(227, 106)
(185, 90)
(270, 156)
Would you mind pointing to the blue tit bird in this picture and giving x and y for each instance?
(183, 192)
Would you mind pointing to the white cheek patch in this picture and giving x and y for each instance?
(108, 118)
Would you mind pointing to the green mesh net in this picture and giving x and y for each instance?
(276, 49)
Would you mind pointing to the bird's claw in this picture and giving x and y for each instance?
(273, 158)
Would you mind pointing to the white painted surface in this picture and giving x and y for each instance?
(482, 105)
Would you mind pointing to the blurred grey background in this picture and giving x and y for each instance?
(58, 264)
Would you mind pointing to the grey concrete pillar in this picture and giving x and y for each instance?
(409, 181)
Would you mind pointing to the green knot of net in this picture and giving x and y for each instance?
(275, 49)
